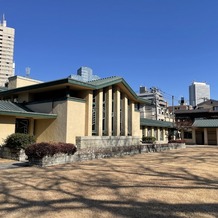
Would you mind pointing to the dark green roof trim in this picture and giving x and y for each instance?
(3, 89)
(76, 99)
(210, 123)
(109, 81)
(13, 109)
(29, 114)
(56, 100)
(155, 123)
(48, 84)
(92, 85)
(104, 82)
(145, 101)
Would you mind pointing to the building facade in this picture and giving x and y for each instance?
(160, 130)
(200, 125)
(155, 107)
(6, 52)
(198, 92)
(98, 112)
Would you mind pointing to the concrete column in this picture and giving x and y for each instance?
(99, 109)
(117, 112)
(131, 118)
(217, 136)
(194, 136)
(152, 132)
(164, 135)
(125, 115)
(158, 134)
(146, 132)
(88, 126)
(109, 111)
(205, 137)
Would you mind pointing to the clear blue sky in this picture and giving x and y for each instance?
(163, 43)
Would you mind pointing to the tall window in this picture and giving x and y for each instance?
(113, 109)
(104, 114)
(161, 134)
(155, 133)
(121, 115)
(149, 132)
(94, 131)
(129, 118)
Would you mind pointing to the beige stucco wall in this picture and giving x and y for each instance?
(136, 123)
(53, 130)
(7, 127)
(19, 81)
(69, 123)
(76, 123)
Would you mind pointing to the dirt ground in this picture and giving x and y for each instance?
(176, 183)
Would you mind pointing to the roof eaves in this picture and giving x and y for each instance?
(145, 101)
(206, 123)
(29, 114)
(156, 123)
(48, 84)
(114, 80)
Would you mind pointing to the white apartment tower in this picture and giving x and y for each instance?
(6, 52)
(198, 92)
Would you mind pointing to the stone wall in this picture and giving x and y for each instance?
(54, 160)
(106, 141)
(103, 152)
(18, 155)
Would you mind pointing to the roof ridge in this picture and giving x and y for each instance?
(104, 78)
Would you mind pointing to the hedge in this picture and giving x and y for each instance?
(40, 150)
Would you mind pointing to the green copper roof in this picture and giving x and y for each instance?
(155, 123)
(92, 85)
(13, 109)
(206, 123)
(100, 83)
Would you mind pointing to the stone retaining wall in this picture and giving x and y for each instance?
(106, 141)
(18, 155)
(103, 152)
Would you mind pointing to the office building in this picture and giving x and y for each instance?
(198, 92)
(84, 74)
(6, 52)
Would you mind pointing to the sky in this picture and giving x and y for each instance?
(167, 44)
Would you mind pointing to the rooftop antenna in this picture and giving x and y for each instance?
(28, 72)
(4, 22)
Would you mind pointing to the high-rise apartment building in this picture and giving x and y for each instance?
(6, 52)
(198, 92)
(157, 108)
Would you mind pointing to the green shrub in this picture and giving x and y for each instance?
(40, 150)
(19, 141)
(148, 139)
